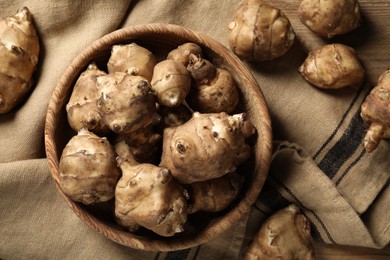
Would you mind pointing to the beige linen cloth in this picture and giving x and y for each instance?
(319, 162)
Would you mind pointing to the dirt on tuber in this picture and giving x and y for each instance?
(260, 32)
(375, 112)
(19, 51)
(332, 66)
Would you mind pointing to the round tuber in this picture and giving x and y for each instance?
(260, 32)
(375, 112)
(330, 18)
(332, 66)
(182, 53)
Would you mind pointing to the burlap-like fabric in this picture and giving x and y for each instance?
(319, 162)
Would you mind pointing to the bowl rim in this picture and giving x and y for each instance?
(264, 149)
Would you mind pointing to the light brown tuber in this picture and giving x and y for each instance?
(148, 196)
(332, 66)
(126, 104)
(19, 50)
(171, 82)
(208, 146)
(81, 109)
(330, 18)
(375, 112)
(182, 53)
(284, 235)
(214, 90)
(87, 168)
(132, 59)
(260, 32)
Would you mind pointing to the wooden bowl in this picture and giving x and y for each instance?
(161, 38)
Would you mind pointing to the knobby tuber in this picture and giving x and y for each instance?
(206, 147)
(182, 53)
(81, 109)
(148, 196)
(125, 103)
(332, 66)
(19, 50)
(214, 90)
(375, 112)
(171, 82)
(132, 59)
(284, 235)
(330, 18)
(87, 168)
(214, 195)
(260, 31)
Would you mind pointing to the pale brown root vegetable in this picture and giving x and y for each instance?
(81, 109)
(174, 116)
(214, 195)
(206, 147)
(260, 32)
(132, 59)
(214, 90)
(330, 18)
(19, 51)
(171, 82)
(284, 235)
(148, 196)
(88, 171)
(332, 66)
(182, 53)
(126, 104)
(375, 112)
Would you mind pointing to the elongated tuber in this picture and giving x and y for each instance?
(330, 18)
(19, 50)
(214, 195)
(88, 171)
(182, 53)
(214, 90)
(260, 31)
(375, 112)
(332, 66)
(171, 82)
(125, 103)
(208, 146)
(148, 196)
(284, 235)
(132, 59)
(81, 109)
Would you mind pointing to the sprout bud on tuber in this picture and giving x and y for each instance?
(182, 53)
(375, 112)
(19, 50)
(260, 31)
(88, 171)
(332, 66)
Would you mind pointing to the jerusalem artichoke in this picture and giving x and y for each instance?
(174, 116)
(19, 50)
(182, 52)
(88, 171)
(375, 112)
(260, 31)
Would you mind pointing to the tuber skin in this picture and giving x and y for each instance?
(330, 18)
(284, 235)
(332, 66)
(132, 59)
(19, 51)
(88, 171)
(214, 90)
(260, 32)
(206, 147)
(81, 109)
(126, 104)
(174, 116)
(375, 112)
(214, 195)
(148, 196)
(182, 53)
(171, 82)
